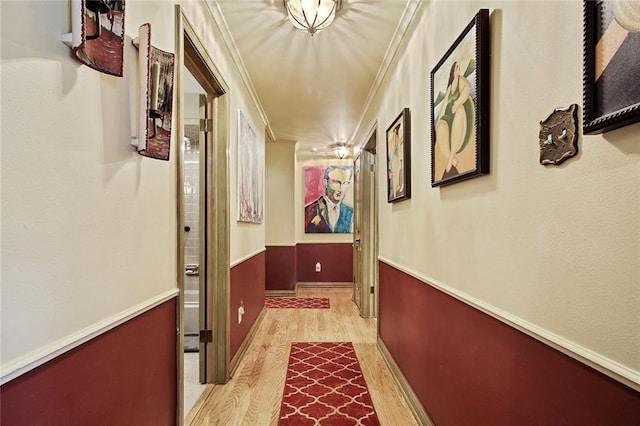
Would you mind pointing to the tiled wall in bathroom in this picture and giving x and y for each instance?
(191, 208)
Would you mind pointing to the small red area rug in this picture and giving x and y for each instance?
(297, 302)
(325, 386)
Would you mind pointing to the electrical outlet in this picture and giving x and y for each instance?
(318, 267)
(240, 313)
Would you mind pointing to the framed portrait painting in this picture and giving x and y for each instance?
(328, 199)
(399, 158)
(460, 106)
(611, 92)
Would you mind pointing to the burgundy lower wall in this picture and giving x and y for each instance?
(336, 260)
(127, 375)
(280, 268)
(248, 286)
(468, 368)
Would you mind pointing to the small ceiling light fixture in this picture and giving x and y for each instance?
(341, 151)
(312, 15)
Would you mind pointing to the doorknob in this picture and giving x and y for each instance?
(192, 270)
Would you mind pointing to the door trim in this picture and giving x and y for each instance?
(365, 244)
(191, 52)
(357, 234)
(372, 243)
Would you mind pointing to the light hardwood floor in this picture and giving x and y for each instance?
(253, 396)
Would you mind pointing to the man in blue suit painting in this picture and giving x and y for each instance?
(328, 213)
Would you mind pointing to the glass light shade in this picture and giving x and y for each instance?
(341, 151)
(311, 15)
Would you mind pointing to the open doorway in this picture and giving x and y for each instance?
(194, 110)
(203, 205)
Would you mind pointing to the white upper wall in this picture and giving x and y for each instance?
(89, 227)
(280, 184)
(555, 248)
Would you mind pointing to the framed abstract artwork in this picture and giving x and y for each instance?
(460, 106)
(250, 173)
(399, 158)
(611, 93)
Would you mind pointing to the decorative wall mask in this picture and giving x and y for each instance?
(155, 97)
(559, 135)
(97, 37)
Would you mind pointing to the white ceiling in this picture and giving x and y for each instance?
(314, 89)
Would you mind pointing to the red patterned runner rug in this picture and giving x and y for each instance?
(325, 386)
(297, 302)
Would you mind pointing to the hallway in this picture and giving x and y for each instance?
(254, 394)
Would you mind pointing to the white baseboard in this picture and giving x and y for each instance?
(409, 395)
(280, 293)
(323, 284)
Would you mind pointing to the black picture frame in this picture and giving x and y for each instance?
(468, 155)
(399, 158)
(611, 93)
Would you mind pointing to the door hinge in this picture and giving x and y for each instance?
(372, 290)
(372, 167)
(206, 336)
(206, 125)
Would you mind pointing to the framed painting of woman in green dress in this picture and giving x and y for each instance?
(611, 65)
(460, 106)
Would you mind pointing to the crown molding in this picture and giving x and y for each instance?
(408, 16)
(218, 18)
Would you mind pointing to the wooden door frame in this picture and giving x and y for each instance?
(366, 249)
(371, 244)
(357, 249)
(190, 52)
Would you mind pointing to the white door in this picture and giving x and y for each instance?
(357, 220)
(365, 257)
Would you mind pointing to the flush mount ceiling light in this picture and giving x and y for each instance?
(341, 151)
(312, 15)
